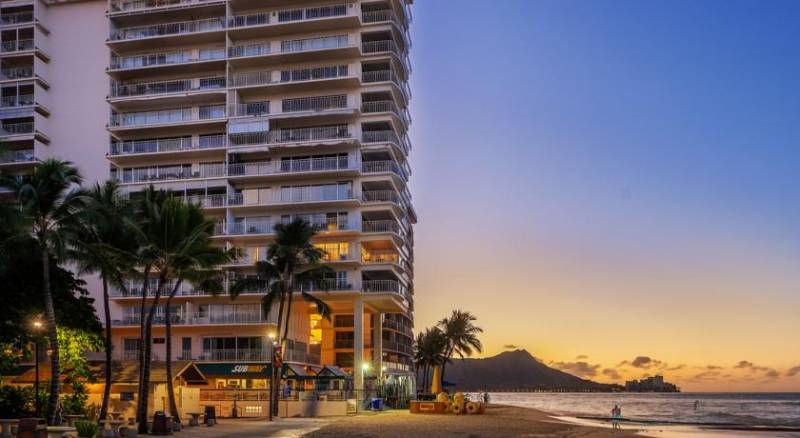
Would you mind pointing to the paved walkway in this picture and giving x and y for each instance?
(254, 428)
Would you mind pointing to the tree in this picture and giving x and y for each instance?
(430, 347)
(105, 246)
(49, 200)
(461, 334)
(174, 243)
(291, 261)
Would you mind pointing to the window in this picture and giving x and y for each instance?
(126, 396)
(343, 321)
(158, 341)
(252, 409)
(344, 360)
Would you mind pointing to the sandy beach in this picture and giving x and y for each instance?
(498, 421)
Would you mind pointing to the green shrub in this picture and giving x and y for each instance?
(87, 429)
(16, 402)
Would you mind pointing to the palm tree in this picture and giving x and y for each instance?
(49, 199)
(461, 334)
(291, 261)
(105, 247)
(430, 347)
(187, 254)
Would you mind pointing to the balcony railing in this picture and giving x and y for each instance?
(145, 118)
(207, 170)
(384, 136)
(254, 109)
(254, 49)
(16, 128)
(257, 19)
(380, 17)
(166, 87)
(165, 58)
(288, 166)
(327, 285)
(167, 145)
(18, 100)
(320, 43)
(168, 29)
(383, 167)
(382, 226)
(380, 196)
(249, 79)
(16, 45)
(215, 201)
(380, 257)
(236, 317)
(267, 226)
(386, 76)
(241, 354)
(381, 286)
(320, 103)
(397, 346)
(18, 156)
(291, 135)
(16, 17)
(9, 73)
(140, 5)
(312, 13)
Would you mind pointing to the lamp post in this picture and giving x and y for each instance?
(37, 325)
(271, 336)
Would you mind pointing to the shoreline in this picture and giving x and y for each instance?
(502, 420)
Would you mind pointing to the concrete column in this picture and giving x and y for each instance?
(358, 345)
(377, 345)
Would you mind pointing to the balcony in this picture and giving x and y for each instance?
(380, 257)
(386, 106)
(329, 285)
(16, 128)
(266, 226)
(129, 6)
(382, 16)
(311, 44)
(381, 226)
(241, 354)
(379, 286)
(18, 156)
(385, 136)
(13, 73)
(168, 29)
(168, 173)
(215, 201)
(385, 166)
(167, 87)
(288, 16)
(378, 76)
(397, 346)
(250, 109)
(314, 104)
(226, 318)
(289, 77)
(376, 196)
(134, 289)
(283, 167)
(168, 116)
(16, 101)
(167, 145)
(166, 59)
(292, 135)
(16, 46)
(13, 18)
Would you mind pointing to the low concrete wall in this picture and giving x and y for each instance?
(311, 408)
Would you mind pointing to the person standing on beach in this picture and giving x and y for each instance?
(616, 414)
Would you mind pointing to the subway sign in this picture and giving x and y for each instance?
(242, 369)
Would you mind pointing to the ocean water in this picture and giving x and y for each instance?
(724, 409)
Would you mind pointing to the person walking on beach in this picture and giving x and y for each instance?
(616, 415)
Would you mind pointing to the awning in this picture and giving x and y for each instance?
(331, 372)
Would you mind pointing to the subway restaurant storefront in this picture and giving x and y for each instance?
(244, 386)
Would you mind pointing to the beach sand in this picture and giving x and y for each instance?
(498, 421)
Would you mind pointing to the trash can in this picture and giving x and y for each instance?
(211, 415)
(376, 404)
(162, 424)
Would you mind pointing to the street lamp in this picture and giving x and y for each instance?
(37, 326)
(271, 336)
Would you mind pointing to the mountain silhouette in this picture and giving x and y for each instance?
(515, 370)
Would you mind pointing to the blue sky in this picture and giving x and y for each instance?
(607, 155)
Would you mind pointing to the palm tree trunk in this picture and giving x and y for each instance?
(145, 287)
(52, 333)
(173, 407)
(273, 400)
(109, 346)
(448, 354)
(148, 344)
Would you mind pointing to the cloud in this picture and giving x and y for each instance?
(580, 368)
(645, 362)
(510, 347)
(612, 374)
(750, 367)
(676, 367)
(581, 357)
(793, 371)
(772, 374)
(713, 367)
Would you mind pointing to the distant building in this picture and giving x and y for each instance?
(650, 384)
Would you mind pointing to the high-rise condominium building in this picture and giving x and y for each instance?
(261, 111)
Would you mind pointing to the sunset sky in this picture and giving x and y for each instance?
(601, 181)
